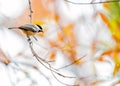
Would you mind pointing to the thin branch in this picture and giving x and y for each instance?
(71, 63)
(101, 2)
(59, 80)
(30, 8)
(42, 61)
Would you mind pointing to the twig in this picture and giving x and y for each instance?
(101, 2)
(59, 80)
(30, 8)
(71, 63)
(42, 61)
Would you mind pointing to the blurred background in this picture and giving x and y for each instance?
(81, 39)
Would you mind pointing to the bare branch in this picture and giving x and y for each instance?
(59, 80)
(30, 8)
(101, 2)
(71, 63)
(42, 61)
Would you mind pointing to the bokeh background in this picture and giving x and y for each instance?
(80, 39)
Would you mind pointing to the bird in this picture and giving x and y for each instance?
(29, 29)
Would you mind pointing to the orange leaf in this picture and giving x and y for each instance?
(66, 48)
(68, 30)
(53, 44)
(105, 19)
(52, 56)
(60, 37)
(101, 59)
(117, 40)
(78, 62)
(109, 52)
(56, 17)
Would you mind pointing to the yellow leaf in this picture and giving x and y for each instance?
(106, 5)
(117, 63)
(68, 30)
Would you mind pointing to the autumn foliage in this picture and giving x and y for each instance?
(63, 36)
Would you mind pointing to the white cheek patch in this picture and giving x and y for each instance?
(36, 28)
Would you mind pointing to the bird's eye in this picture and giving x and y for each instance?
(40, 31)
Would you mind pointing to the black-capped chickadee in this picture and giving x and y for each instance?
(29, 29)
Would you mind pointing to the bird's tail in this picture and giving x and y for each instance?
(13, 28)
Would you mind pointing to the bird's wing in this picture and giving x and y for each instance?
(27, 27)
